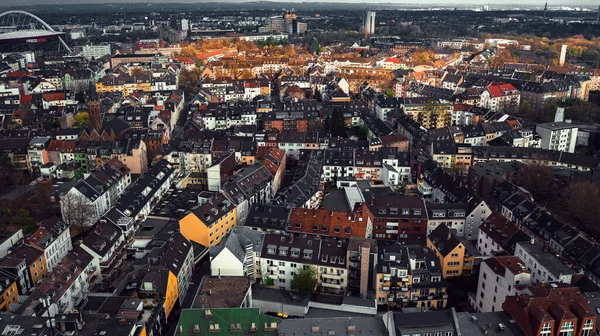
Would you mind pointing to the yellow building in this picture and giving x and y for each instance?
(159, 285)
(428, 113)
(125, 84)
(410, 276)
(10, 293)
(38, 268)
(210, 222)
(453, 255)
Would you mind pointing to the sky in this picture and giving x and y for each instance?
(472, 3)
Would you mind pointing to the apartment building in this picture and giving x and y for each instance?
(499, 277)
(455, 256)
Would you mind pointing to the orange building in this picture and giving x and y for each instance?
(209, 222)
(10, 294)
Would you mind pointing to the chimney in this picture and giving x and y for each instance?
(449, 234)
(372, 199)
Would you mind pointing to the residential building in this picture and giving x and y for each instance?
(224, 292)
(544, 266)
(452, 215)
(336, 224)
(9, 293)
(95, 51)
(238, 254)
(105, 242)
(99, 191)
(362, 258)
(499, 277)
(66, 286)
(208, 223)
(141, 197)
(161, 283)
(500, 97)
(499, 234)
(8, 240)
(283, 255)
(345, 326)
(54, 238)
(26, 265)
(398, 217)
(431, 323)
(410, 275)
(177, 256)
(551, 310)
(226, 321)
(558, 136)
(455, 256)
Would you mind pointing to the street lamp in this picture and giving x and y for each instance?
(45, 301)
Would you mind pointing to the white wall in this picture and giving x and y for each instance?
(226, 264)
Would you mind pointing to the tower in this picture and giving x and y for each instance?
(95, 116)
(545, 10)
(368, 22)
(563, 55)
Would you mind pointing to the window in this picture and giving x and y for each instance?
(587, 328)
(546, 329)
(454, 255)
(566, 329)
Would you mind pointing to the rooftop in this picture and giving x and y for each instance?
(222, 292)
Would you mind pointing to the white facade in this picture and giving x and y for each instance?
(557, 136)
(95, 51)
(543, 265)
(486, 246)
(479, 212)
(497, 279)
(9, 241)
(58, 248)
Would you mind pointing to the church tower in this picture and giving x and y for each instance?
(95, 116)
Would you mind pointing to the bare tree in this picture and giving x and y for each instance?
(76, 210)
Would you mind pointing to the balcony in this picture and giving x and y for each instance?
(116, 255)
(273, 268)
(385, 288)
(333, 276)
(335, 285)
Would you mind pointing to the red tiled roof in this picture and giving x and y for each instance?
(498, 89)
(548, 303)
(53, 96)
(337, 224)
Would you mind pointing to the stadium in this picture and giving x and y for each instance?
(23, 31)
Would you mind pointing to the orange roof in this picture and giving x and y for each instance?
(393, 60)
(25, 98)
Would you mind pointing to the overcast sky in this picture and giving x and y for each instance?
(474, 3)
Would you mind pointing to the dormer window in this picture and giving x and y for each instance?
(295, 252)
(271, 249)
(405, 212)
(283, 251)
(417, 212)
(393, 211)
(307, 254)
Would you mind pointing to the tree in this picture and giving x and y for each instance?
(536, 178)
(580, 200)
(81, 120)
(305, 280)
(137, 72)
(76, 210)
(336, 124)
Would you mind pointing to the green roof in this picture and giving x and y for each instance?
(224, 318)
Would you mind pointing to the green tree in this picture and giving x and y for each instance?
(81, 120)
(305, 280)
